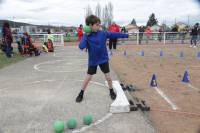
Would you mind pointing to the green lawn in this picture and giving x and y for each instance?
(4, 61)
(71, 39)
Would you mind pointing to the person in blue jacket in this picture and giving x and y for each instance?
(95, 43)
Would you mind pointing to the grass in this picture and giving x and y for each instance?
(4, 61)
(71, 39)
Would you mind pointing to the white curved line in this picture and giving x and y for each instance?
(108, 115)
(36, 67)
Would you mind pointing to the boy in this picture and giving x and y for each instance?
(95, 43)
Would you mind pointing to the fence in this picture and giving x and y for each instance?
(159, 37)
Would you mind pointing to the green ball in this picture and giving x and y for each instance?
(87, 29)
(58, 126)
(87, 119)
(71, 123)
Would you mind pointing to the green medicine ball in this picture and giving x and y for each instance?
(87, 29)
(71, 123)
(87, 119)
(58, 126)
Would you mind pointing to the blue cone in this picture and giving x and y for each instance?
(181, 54)
(142, 53)
(185, 77)
(125, 53)
(111, 53)
(198, 54)
(161, 53)
(153, 82)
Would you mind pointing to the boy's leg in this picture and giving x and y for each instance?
(106, 70)
(79, 98)
(86, 81)
(91, 71)
(109, 80)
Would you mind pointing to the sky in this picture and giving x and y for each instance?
(72, 12)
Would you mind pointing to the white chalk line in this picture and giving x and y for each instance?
(193, 87)
(173, 105)
(108, 115)
(37, 68)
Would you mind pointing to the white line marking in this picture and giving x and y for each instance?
(193, 87)
(173, 105)
(108, 115)
(37, 68)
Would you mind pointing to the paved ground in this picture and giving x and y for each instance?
(37, 91)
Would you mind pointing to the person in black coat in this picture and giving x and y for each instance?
(194, 34)
(141, 32)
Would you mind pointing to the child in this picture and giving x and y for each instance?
(95, 42)
(50, 42)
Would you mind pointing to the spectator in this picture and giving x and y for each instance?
(148, 33)
(141, 32)
(80, 32)
(174, 33)
(113, 41)
(7, 39)
(194, 34)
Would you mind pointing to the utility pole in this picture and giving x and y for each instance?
(188, 20)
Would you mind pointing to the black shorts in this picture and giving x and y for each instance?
(104, 68)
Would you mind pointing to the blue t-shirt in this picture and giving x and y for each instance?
(96, 45)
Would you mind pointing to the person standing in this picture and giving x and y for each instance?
(113, 41)
(148, 34)
(7, 39)
(194, 34)
(80, 32)
(141, 32)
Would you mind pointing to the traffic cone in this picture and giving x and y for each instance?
(185, 77)
(181, 54)
(125, 53)
(110, 52)
(161, 53)
(198, 54)
(142, 53)
(153, 82)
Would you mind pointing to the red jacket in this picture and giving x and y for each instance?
(80, 31)
(114, 28)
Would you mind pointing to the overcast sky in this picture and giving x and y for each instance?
(71, 12)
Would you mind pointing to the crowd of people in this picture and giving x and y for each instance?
(25, 44)
(27, 47)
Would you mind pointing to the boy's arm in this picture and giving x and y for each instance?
(116, 35)
(83, 42)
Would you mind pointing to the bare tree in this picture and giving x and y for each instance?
(88, 11)
(107, 15)
(110, 13)
(98, 10)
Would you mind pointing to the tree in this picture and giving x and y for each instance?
(98, 10)
(110, 13)
(88, 11)
(107, 15)
(152, 20)
(133, 22)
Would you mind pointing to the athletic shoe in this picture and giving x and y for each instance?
(112, 95)
(79, 98)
